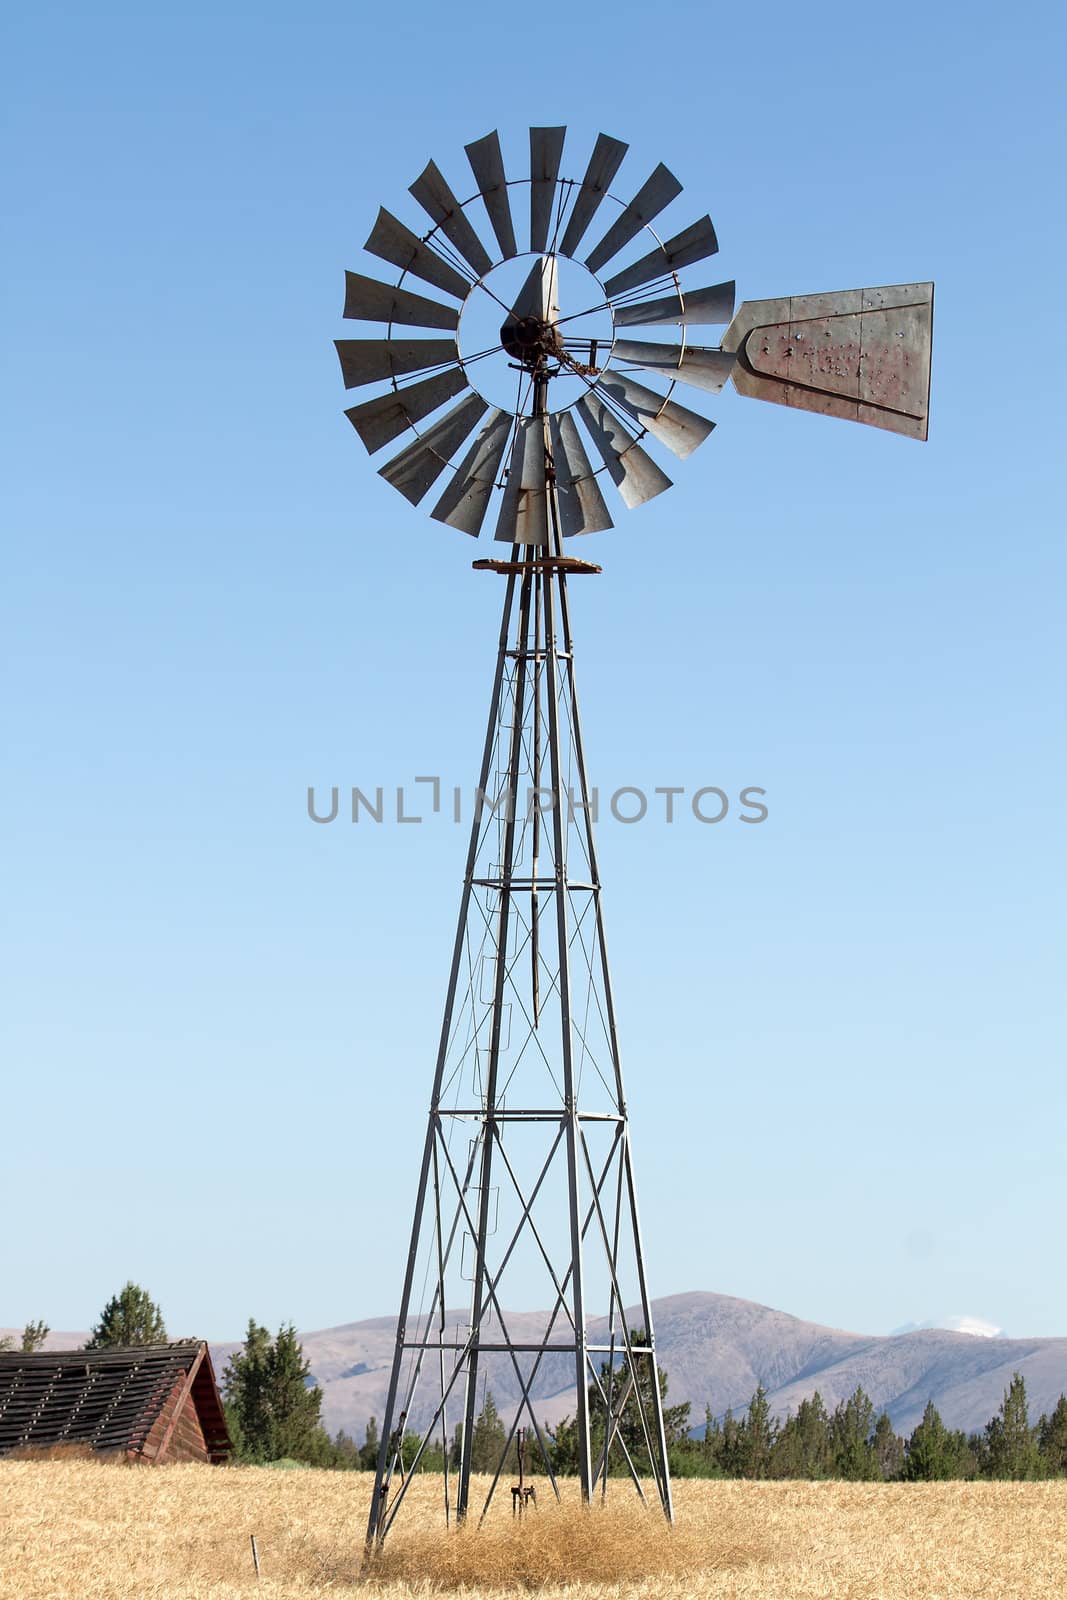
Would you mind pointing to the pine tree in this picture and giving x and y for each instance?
(1011, 1442)
(1052, 1440)
(487, 1441)
(962, 1459)
(346, 1451)
(432, 1458)
(978, 1448)
(756, 1438)
(629, 1430)
(802, 1449)
(933, 1453)
(368, 1452)
(851, 1428)
(277, 1411)
(711, 1444)
(888, 1449)
(130, 1317)
(732, 1450)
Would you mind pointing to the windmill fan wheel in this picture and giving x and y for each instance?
(530, 370)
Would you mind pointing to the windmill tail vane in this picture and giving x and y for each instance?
(528, 396)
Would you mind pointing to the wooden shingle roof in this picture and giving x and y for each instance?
(108, 1399)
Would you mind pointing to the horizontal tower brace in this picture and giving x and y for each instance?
(538, 655)
(547, 884)
(616, 1349)
(529, 1116)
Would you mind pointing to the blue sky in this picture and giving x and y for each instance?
(842, 1030)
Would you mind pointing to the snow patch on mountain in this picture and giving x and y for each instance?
(978, 1327)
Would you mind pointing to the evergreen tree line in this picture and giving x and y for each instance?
(852, 1442)
(273, 1411)
(849, 1442)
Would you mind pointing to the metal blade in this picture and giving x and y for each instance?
(604, 163)
(371, 360)
(688, 306)
(680, 429)
(487, 164)
(463, 504)
(438, 201)
(581, 504)
(390, 240)
(367, 300)
(539, 295)
(861, 354)
(630, 468)
(703, 369)
(692, 244)
(415, 468)
(523, 515)
(378, 421)
(648, 202)
(546, 151)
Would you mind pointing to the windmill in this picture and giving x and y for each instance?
(553, 391)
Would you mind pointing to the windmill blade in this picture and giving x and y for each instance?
(523, 517)
(630, 468)
(372, 360)
(680, 429)
(861, 354)
(463, 504)
(648, 202)
(539, 295)
(439, 203)
(604, 163)
(546, 151)
(392, 241)
(694, 243)
(581, 505)
(700, 306)
(367, 300)
(416, 467)
(378, 421)
(487, 164)
(703, 369)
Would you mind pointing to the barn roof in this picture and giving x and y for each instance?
(108, 1399)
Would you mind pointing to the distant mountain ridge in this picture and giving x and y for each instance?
(716, 1349)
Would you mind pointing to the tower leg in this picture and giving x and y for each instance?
(387, 1454)
(573, 1130)
(489, 1126)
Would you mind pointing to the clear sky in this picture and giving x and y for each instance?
(842, 1030)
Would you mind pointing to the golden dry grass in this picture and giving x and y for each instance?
(77, 1530)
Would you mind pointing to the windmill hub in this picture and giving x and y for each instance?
(531, 340)
(570, 320)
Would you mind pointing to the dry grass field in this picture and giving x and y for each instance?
(82, 1530)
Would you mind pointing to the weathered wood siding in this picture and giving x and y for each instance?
(186, 1442)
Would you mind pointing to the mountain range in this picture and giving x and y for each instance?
(715, 1350)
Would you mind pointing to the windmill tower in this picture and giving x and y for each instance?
(527, 1173)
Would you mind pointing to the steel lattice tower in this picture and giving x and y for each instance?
(527, 1175)
(528, 1104)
